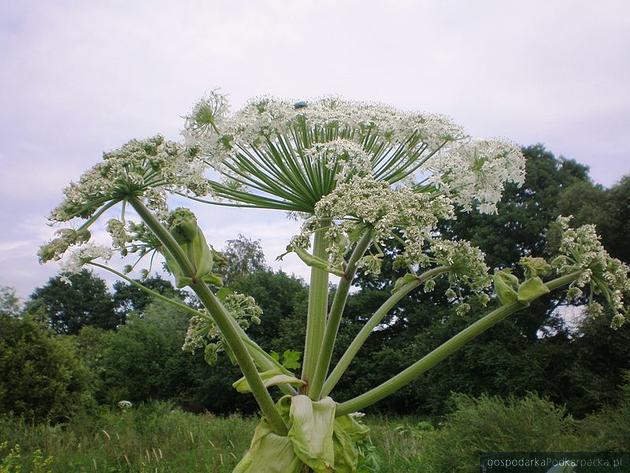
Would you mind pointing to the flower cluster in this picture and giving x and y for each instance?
(217, 133)
(467, 267)
(365, 203)
(83, 255)
(204, 334)
(66, 237)
(474, 173)
(581, 250)
(145, 168)
(293, 154)
(344, 157)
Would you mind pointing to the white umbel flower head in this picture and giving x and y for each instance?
(77, 259)
(147, 168)
(581, 250)
(287, 155)
(474, 172)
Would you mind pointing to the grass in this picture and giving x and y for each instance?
(157, 438)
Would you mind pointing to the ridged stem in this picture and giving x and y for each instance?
(334, 317)
(317, 310)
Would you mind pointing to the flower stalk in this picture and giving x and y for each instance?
(443, 351)
(372, 323)
(317, 310)
(336, 312)
(224, 321)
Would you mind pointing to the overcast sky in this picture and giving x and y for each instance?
(81, 77)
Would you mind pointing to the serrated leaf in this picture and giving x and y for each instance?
(269, 453)
(532, 289)
(291, 359)
(347, 432)
(269, 378)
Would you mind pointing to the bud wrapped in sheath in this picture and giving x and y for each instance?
(182, 224)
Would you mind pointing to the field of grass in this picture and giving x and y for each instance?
(157, 438)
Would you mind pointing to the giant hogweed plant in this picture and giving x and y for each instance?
(361, 178)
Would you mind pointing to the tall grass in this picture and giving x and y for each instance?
(156, 438)
(152, 438)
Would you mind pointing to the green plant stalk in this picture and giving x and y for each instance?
(260, 356)
(317, 309)
(334, 317)
(447, 348)
(226, 323)
(366, 330)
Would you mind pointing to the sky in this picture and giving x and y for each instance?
(81, 77)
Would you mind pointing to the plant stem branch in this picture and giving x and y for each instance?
(317, 309)
(368, 328)
(447, 348)
(336, 312)
(260, 356)
(226, 323)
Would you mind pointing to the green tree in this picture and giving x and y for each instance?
(9, 302)
(243, 256)
(281, 297)
(128, 297)
(74, 301)
(41, 376)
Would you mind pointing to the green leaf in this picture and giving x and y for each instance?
(505, 285)
(311, 432)
(406, 279)
(315, 262)
(271, 377)
(347, 432)
(532, 289)
(291, 359)
(269, 453)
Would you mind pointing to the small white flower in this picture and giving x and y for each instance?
(84, 254)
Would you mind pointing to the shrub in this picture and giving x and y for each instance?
(491, 424)
(41, 376)
(609, 429)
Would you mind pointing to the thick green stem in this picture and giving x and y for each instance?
(260, 356)
(371, 324)
(226, 323)
(447, 348)
(334, 317)
(317, 309)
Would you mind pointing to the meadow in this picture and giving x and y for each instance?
(156, 437)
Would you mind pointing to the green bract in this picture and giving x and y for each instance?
(183, 226)
(316, 439)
